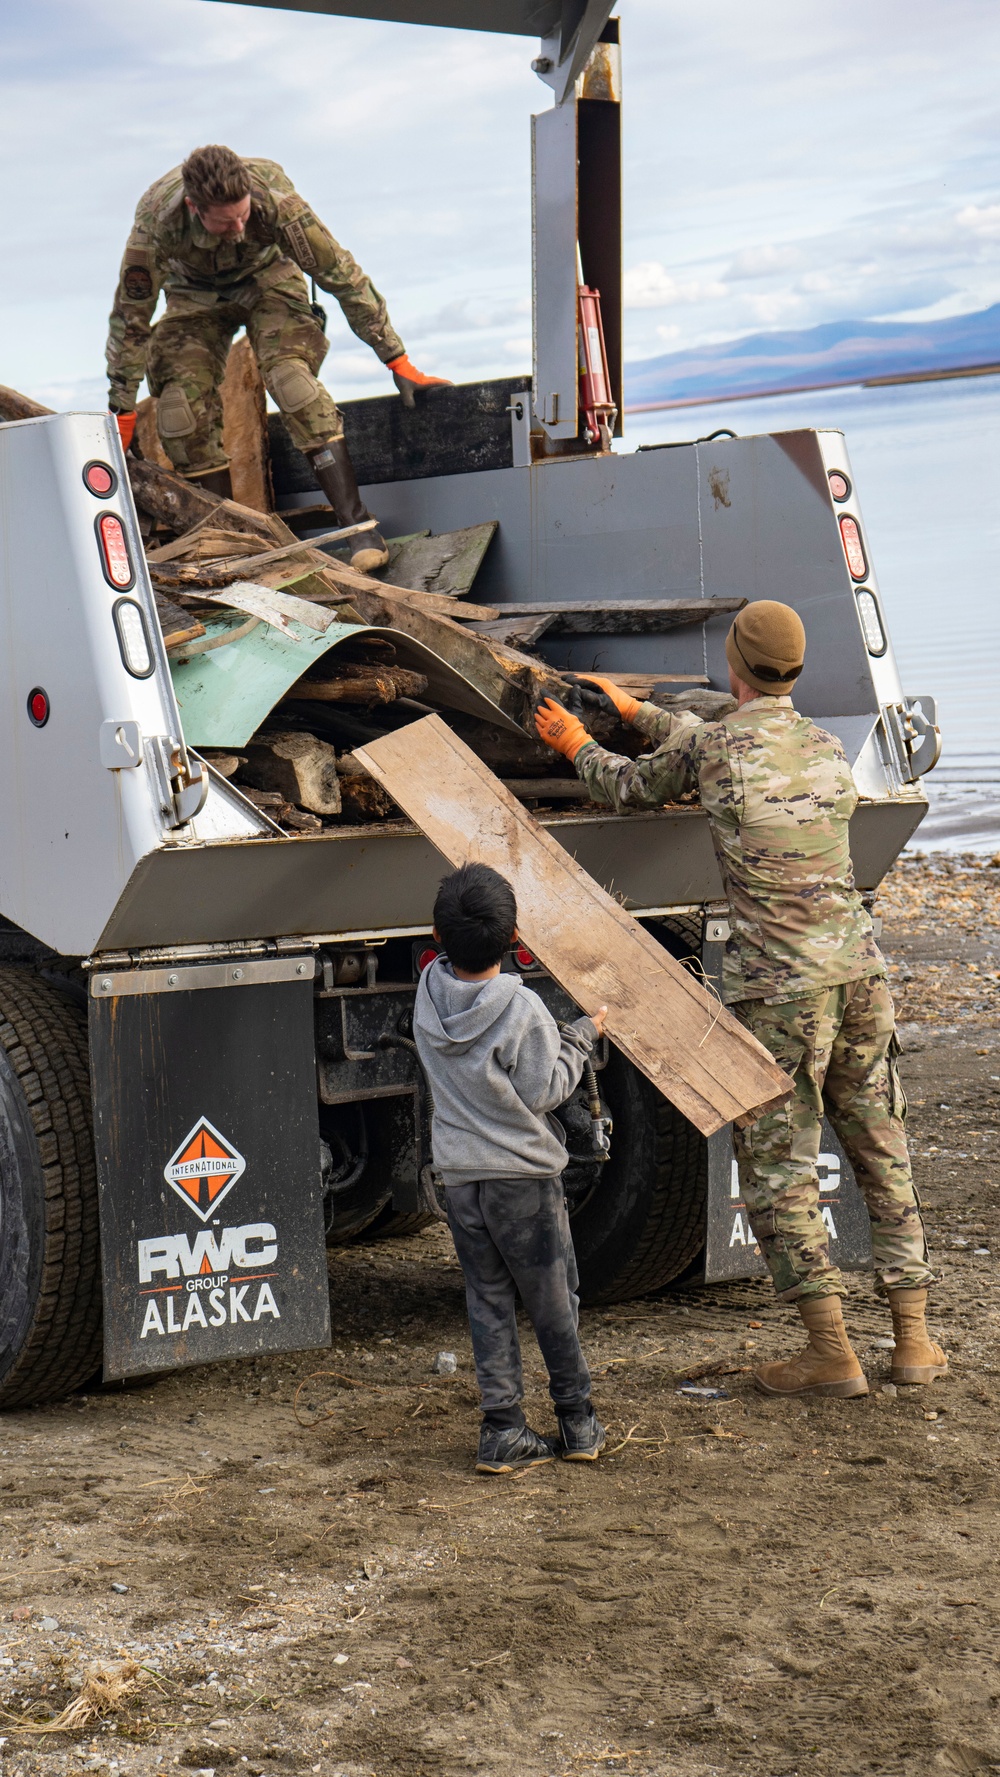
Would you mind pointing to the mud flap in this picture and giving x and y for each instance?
(730, 1248)
(208, 1153)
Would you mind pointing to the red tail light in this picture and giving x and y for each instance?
(854, 549)
(425, 958)
(100, 480)
(115, 558)
(840, 487)
(523, 957)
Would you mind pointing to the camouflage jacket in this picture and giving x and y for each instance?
(779, 794)
(169, 249)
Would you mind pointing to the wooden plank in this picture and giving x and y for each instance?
(679, 1035)
(519, 631)
(641, 685)
(622, 617)
(244, 428)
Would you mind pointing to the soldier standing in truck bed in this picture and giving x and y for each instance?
(802, 971)
(228, 241)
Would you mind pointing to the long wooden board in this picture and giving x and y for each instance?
(682, 1039)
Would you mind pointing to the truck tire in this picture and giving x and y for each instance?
(50, 1273)
(391, 1224)
(643, 1223)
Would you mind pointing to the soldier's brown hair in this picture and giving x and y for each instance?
(214, 175)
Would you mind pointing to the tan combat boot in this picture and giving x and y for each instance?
(916, 1357)
(827, 1366)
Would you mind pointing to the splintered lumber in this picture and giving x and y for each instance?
(301, 768)
(355, 683)
(180, 504)
(216, 573)
(149, 438)
(244, 428)
(517, 631)
(624, 617)
(363, 800)
(15, 406)
(675, 1032)
(176, 626)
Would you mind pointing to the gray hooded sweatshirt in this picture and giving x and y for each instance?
(497, 1066)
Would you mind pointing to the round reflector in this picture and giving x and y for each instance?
(38, 706)
(425, 958)
(523, 957)
(100, 479)
(840, 487)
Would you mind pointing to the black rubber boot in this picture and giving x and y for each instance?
(503, 1448)
(581, 1435)
(214, 481)
(334, 471)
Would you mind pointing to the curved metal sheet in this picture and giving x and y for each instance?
(226, 694)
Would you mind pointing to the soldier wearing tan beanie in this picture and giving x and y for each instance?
(802, 971)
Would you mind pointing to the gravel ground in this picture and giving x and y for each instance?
(287, 1572)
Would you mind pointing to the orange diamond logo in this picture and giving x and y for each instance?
(204, 1169)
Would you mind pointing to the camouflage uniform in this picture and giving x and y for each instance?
(802, 971)
(214, 286)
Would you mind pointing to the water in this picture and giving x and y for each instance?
(926, 461)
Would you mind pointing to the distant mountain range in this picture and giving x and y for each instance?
(836, 352)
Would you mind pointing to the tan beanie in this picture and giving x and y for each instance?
(766, 646)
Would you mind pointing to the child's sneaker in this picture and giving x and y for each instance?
(581, 1435)
(503, 1448)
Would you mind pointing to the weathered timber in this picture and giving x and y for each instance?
(273, 803)
(624, 617)
(301, 768)
(642, 685)
(147, 436)
(675, 1032)
(15, 406)
(179, 504)
(517, 631)
(363, 800)
(176, 626)
(244, 428)
(359, 684)
(226, 764)
(204, 542)
(512, 682)
(547, 789)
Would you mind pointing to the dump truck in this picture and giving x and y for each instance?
(206, 1062)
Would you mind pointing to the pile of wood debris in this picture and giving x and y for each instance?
(221, 569)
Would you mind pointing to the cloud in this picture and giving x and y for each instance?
(763, 262)
(650, 286)
(984, 220)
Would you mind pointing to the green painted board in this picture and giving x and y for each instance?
(224, 696)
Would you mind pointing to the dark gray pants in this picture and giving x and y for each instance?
(513, 1239)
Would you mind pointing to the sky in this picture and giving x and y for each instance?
(785, 164)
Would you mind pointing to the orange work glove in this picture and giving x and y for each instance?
(408, 379)
(126, 428)
(628, 707)
(560, 730)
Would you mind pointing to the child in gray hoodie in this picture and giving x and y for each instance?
(498, 1066)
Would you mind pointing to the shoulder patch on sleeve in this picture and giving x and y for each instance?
(298, 244)
(137, 283)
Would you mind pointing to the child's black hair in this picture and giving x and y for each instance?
(476, 916)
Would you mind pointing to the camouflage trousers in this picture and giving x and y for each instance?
(186, 362)
(839, 1047)
(512, 1237)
